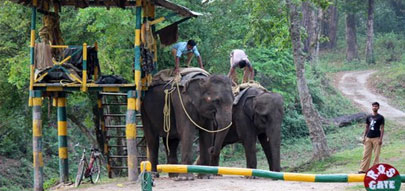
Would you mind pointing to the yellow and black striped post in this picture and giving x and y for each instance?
(130, 132)
(84, 74)
(32, 51)
(137, 62)
(37, 141)
(62, 138)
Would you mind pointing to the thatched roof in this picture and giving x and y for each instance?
(181, 10)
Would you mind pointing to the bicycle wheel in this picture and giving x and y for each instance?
(95, 170)
(80, 172)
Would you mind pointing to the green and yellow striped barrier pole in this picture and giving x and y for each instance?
(146, 182)
(62, 139)
(130, 132)
(137, 62)
(32, 51)
(84, 74)
(38, 162)
(261, 173)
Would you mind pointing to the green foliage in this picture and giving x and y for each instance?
(269, 23)
(390, 82)
(389, 47)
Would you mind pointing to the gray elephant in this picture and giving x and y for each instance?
(208, 101)
(257, 114)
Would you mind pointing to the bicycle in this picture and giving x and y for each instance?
(89, 169)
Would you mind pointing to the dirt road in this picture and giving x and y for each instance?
(225, 183)
(354, 86)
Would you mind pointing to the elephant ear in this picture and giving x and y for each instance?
(248, 107)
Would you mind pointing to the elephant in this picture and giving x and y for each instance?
(257, 114)
(207, 100)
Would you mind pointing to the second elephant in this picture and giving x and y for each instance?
(257, 115)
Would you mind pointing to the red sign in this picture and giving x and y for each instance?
(382, 177)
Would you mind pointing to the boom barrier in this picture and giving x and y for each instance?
(263, 173)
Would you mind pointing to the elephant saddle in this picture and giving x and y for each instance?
(241, 90)
(165, 77)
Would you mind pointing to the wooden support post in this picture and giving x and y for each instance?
(37, 141)
(84, 74)
(104, 132)
(62, 137)
(130, 132)
(32, 52)
(96, 67)
(137, 63)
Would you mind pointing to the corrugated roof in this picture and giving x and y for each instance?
(181, 10)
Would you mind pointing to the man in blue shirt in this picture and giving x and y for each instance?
(188, 48)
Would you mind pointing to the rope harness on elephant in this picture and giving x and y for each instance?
(166, 114)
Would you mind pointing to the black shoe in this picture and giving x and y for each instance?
(361, 172)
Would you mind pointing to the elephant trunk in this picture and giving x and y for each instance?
(223, 120)
(274, 139)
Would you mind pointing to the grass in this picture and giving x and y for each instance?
(390, 82)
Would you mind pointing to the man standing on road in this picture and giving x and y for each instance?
(373, 136)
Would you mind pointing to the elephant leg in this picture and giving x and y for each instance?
(172, 155)
(186, 141)
(152, 141)
(250, 151)
(153, 147)
(266, 148)
(205, 141)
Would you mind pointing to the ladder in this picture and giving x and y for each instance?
(114, 107)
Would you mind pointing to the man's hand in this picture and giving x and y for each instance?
(364, 140)
(380, 142)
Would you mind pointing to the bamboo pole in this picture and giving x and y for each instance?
(262, 173)
(130, 132)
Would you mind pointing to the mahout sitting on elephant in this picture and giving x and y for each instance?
(207, 99)
(257, 113)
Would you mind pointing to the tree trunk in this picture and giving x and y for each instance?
(370, 33)
(318, 28)
(312, 118)
(311, 20)
(306, 22)
(79, 123)
(329, 27)
(351, 39)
